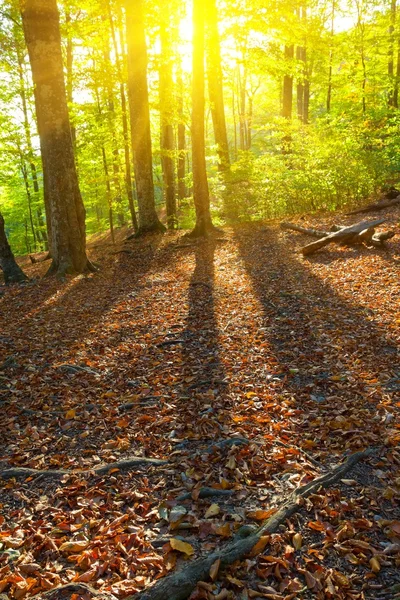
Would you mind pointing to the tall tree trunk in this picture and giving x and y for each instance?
(42, 34)
(12, 272)
(182, 192)
(167, 142)
(330, 71)
(124, 111)
(391, 77)
(28, 141)
(396, 84)
(242, 85)
(300, 52)
(287, 100)
(215, 85)
(140, 117)
(70, 64)
(200, 184)
(28, 197)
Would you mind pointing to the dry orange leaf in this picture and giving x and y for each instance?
(214, 569)
(260, 515)
(260, 545)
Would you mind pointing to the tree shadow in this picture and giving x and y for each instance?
(328, 354)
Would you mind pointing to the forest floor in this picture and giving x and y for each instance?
(172, 351)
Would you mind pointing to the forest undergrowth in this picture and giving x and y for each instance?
(250, 371)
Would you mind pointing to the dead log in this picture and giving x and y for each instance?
(39, 259)
(345, 235)
(378, 239)
(314, 232)
(179, 585)
(376, 206)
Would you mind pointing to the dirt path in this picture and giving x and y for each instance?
(185, 353)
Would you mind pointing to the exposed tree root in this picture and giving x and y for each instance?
(178, 586)
(18, 472)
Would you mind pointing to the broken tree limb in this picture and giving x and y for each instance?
(18, 472)
(376, 206)
(179, 585)
(314, 232)
(343, 236)
(378, 239)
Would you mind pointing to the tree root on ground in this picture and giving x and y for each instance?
(179, 585)
(18, 472)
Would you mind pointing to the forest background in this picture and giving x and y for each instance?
(310, 103)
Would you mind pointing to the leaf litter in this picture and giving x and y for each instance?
(251, 371)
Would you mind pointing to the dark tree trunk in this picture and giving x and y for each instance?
(182, 192)
(287, 101)
(70, 64)
(140, 117)
(67, 213)
(300, 56)
(215, 85)
(12, 272)
(200, 184)
(167, 143)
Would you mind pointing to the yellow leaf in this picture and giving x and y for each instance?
(181, 546)
(214, 569)
(212, 511)
(297, 541)
(71, 547)
(375, 565)
(70, 414)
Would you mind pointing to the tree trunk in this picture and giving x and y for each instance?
(330, 71)
(67, 213)
(167, 142)
(300, 56)
(200, 184)
(182, 191)
(287, 101)
(215, 85)
(69, 65)
(12, 272)
(140, 117)
(391, 53)
(125, 128)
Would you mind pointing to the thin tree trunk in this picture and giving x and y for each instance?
(396, 84)
(124, 110)
(300, 84)
(287, 101)
(182, 191)
(167, 143)
(215, 85)
(242, 84)
(140, 117)
(200, 184)
(28, 141)
(28, 197)
(391, 53)
(235, 145)
(42, 34)
(109, 194)
(11, 270)
(329, 94)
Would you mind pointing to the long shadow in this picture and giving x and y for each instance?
(71, 348)
(329, 359)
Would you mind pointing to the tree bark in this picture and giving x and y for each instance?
(215, 85)
(67, 213)
(182, 191)
(124, 111)
(167, 142)
(391, 96)
(140, 117)
(344, 235)
(287, 101)
(200, 183)
(11, 270)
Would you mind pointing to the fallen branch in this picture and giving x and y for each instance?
(179, 585)
(18, 472)
(206, 492)
(314, 232)
(376, 206)
(346, 235)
